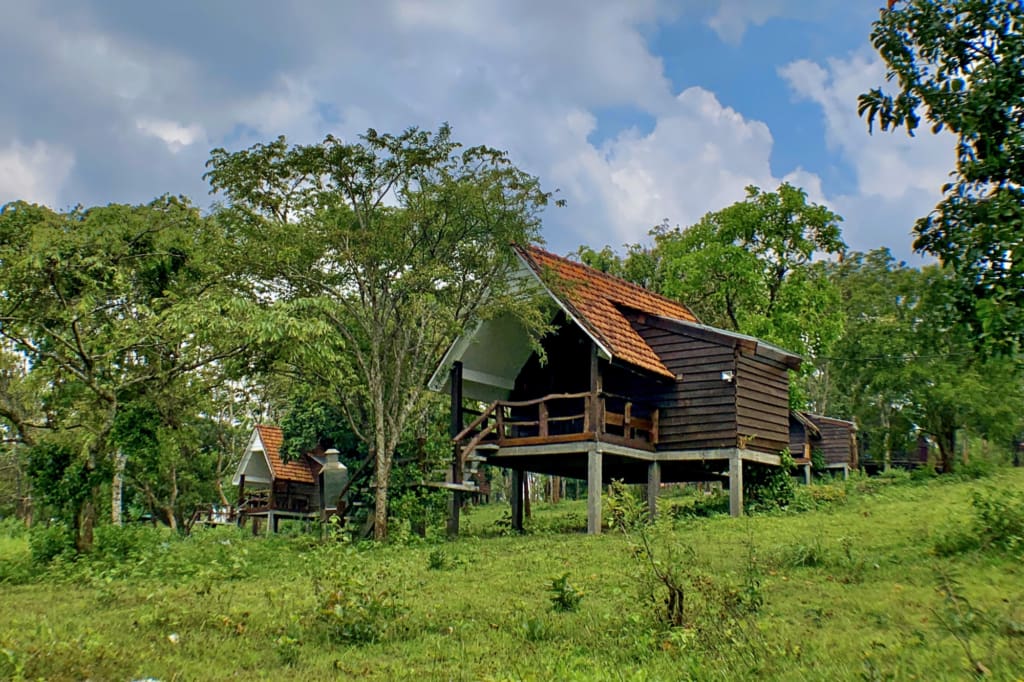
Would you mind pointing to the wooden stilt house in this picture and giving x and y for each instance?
(835, 438)
(270, 488)
(633, 388)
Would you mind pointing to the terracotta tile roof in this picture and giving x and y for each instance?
(596, 300)
(296, 471)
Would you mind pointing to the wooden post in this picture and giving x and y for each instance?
(241, 490)
(517, 500)
(735, 484)
(594, 491)
(596, 415)
(455, 428)
(627, 417)
(527, 510)
(542, 420)
(654, 427)
(455, 379)
(653, 487)
(499, 422)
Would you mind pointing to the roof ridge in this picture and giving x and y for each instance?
(609, 276)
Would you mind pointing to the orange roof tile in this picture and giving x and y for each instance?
(296, 471)
(596, 300)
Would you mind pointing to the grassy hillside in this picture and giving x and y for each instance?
(885, 580)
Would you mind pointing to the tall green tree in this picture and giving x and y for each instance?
(905, 364)
(956, 64)
(748, 268)
(386, 248)
(867, 376)
(112, 305)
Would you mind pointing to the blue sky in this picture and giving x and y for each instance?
(637, 112)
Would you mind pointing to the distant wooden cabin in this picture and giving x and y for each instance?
(633, 388)
(271, 488)
(835, 438)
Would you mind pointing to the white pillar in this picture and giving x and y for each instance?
(593, 492)
(735, 484)
(807, 474)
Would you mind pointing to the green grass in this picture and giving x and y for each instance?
(849, 591)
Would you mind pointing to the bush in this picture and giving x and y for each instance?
(768, 488)
(977, 467)
(12, 527)
(46, 543)
(701, 506)
(564, 596)
(355, 612)
(999, 518)
(117, 544)
(997, 523)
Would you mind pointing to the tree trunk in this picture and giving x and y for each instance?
(86, 524)
(887, 440)
(382, 459)
(380, 509)
(117, 488)
(947, 451)
(172, 503)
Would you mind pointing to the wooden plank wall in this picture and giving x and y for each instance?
(762, 403)
(836, 440)
(798, 437)
(699, 411)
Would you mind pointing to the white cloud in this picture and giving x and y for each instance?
(699, 157)
(898, 178)
(175, 135)
(33, 173)
(139, 101)
(733, 17)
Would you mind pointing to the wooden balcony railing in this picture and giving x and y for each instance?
(563, 417)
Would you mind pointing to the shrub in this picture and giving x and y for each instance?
(437, 560)
(999, 518)
(768, 487)
(805, 555)
(12, 527)
(354, 612)
(121, 543)
(997, 523)
(564, 596)
(701, 506)
(46, 543)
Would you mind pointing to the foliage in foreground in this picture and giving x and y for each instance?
(851, 590)
(956, 64)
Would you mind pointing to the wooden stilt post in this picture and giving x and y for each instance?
(517, 499)
(455, 428)
(735, 484)
(653, 487)
(527, 509)
(596, 404)
(594, 476)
